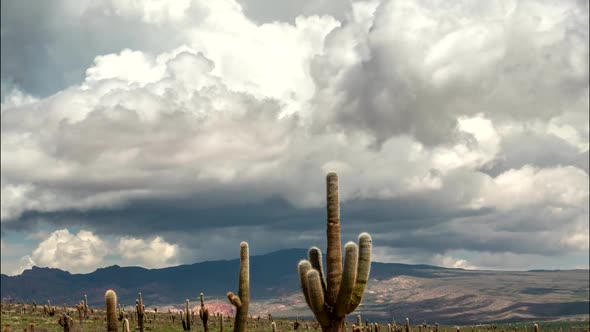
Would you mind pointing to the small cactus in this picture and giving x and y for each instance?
(339, 292)
(140, 309)
(125, 325)
(122, 313)
(66, 322)
(204, 313)
(111, 304)
(186, 316)
(242, 300)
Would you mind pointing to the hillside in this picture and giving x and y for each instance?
(422, 292)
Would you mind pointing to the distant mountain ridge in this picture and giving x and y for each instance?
(272, 274)
(274, 280)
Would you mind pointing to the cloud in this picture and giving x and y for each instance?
(414, 68)
(85, 251)
(452, 262)
(452, 127)
(80, 252)
(154, 253)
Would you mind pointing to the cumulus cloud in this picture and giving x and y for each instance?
(452, 126)
(452, 262)
(85, 251)
(154, 253)
(80, 252)
(415, 67)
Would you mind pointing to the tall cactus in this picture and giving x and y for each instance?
(204, 313)
(85, 306)
(242, 300)
(186, 316)
(340, 292)
(140, 309)
(111, 304)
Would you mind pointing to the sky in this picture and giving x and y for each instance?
(156, 133)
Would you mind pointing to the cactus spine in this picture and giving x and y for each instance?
(340, 292)
(111, 304)
(140, 309)
(204, 313)
(242, 300)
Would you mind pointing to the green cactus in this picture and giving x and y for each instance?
(111, 304)
(242, 300)
(50, 309)
(340, 292)
(122, 313)
(85, 308)
(66, 322)
(80, 309)
(186, 316)
(140, 309)
(204, 313)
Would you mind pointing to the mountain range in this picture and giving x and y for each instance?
(422, 292)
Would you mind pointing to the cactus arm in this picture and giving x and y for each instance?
(334, 252)
(303, 267)
(363, 270)
(349, 276)
(234, 299)
(315, 258)
(126, 325)
(316, 298)
(111, 304)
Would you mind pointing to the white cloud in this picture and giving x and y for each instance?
(16, 98)
(452, 262)
(81, 252)
(85, 251)
(559, 188)
(154, 253)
